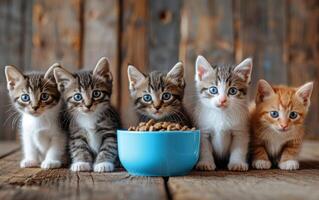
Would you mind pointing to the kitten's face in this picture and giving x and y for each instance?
(283, 109)
(86, 92)
(222, 87)
(157, 95)
(32, 94)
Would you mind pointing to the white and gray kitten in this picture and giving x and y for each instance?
(35, 96)
(222, 113)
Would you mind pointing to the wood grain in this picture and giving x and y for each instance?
(34, 183)
(134, 50)
(254, 184)
(303, 52)
(101, 37)
(56, 34)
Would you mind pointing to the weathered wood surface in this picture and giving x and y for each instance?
(16, 183)
(254, 184)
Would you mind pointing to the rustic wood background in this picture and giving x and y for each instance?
(282, 36)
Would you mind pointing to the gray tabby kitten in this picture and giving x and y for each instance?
(94, 121)
(159, 96)
(222, 113)
(36, 97)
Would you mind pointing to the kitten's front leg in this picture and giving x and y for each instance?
(30, 152)
(206, 159)
(238, 151)
(53, 157)
(288, 160)
(260, 157)
(108, 153)
(80, 152)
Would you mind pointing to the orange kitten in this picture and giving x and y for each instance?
(277, 124)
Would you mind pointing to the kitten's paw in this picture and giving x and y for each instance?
(104, 167)
(289, 165)
(51, 164)
(261, 164)
(29, 163)
(206, 165)
(238, 166)
(81, 167)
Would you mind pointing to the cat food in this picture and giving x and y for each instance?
(151, 125)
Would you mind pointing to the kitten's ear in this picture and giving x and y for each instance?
(304, 93)
(244, 69)
(63, 78)
(102, 69)
(264, 91)
(135, 77)
(177, 74)
(14, 77)
(49, 73)
(202, 68)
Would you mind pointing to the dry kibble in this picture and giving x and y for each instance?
(151, 125)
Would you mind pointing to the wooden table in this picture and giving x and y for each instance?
(16, 183)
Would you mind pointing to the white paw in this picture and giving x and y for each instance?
(104, 167)
(29, 163)
(206, 165)
(289, 165)
(51, 164)
(261, 164)
(81, 167)
(237, 166)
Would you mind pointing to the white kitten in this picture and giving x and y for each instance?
(222, 113)
(36, 98)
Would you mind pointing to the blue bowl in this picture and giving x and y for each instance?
(158, 153)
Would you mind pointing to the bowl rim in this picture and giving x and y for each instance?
(125, 131)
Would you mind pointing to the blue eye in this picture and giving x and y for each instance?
(293, 115)
(77, 97)
(232, 91)
(96, 93)
(166, 96)
(213, 90)
(274, 114)
(44, 96)
(147, 98)
(25, 97)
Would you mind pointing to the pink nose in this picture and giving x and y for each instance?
(284, 126)
(222, 100)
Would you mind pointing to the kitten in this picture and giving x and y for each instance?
(36, 97)
(94, 121)
(222, 113)
(277, 124)
(159, 96)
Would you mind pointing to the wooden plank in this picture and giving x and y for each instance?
(206, 29)
(261, 29)
(134, 50)
(7, 147)
(56, 33)
(34, 183)
(254, 184)
(15, 40)
(303, 52)
(164, 34)
(101, 37)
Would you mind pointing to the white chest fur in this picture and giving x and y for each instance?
(88, 122)
(221, 125)
(40, 130)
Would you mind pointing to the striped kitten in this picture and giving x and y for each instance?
(94, 121)
(159, 96)
(36, 97)
(277, 124)
(222, 113)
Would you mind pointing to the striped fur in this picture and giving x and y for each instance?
(156, 84)
(37, 99)
(277, 140)
(93, 120)
(222, 113)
